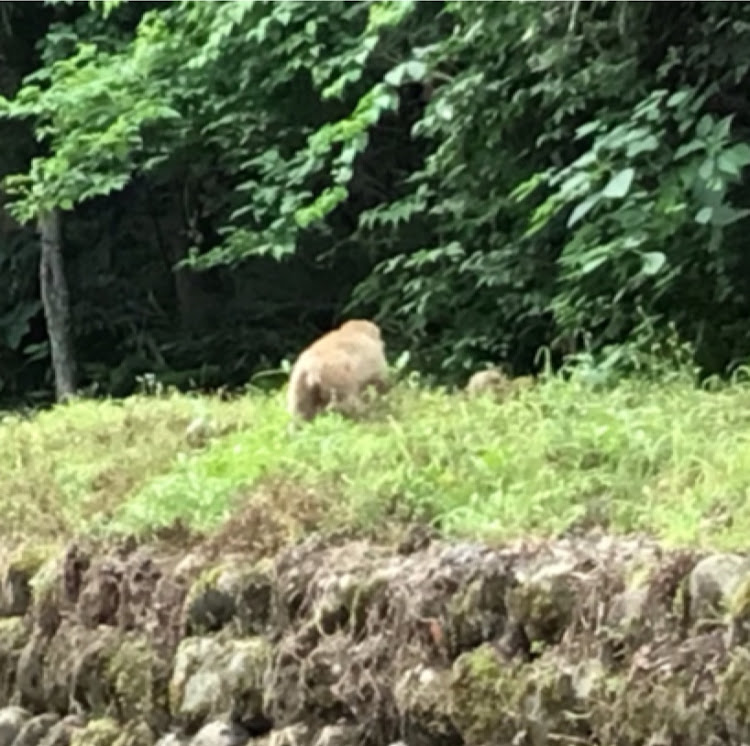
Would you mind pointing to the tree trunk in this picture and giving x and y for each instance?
(56, 302)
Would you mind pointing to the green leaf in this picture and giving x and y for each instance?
(525, 188)
(647, 145)
(678, 97)
(688, 148)
(726, 215)
(619, 184)
(706, 170)
(653, 261)
(704, 215)
(738, 155)
(583, 208)
(416, 70)
(588, 129)
(592, 264)
(704, 126)
(395, 77)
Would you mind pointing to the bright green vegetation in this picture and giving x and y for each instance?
(486, 179)
(665, 458)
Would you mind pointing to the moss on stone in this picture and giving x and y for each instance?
(492, 701)
(213, 677)
(544, 605)
(98, 732)
(738, 604)
(422, 697)
(483, 697)
(13, 637)
(637, 574)
(361, 598)
(135, 733)
(107, 731)
(734, 694)
(138, 679)
(29, 558)
(44, 581)
(207, 578)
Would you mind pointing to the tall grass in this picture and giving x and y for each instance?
(661, 457)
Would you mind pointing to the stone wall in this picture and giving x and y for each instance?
(575, 641)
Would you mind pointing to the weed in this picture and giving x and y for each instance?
(666, 458)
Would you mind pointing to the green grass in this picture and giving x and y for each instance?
(668, 459)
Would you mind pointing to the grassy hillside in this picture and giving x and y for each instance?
(666, 458)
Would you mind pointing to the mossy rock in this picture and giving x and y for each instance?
(212, 677)
(109, 732)
(654, 709)
(221, 733)
(136, 733)
(477, 612)
(75, 668)
(738, 613)
(297, 734)
(14, 633)
(717, 584)
(484, 697)
(35, 729)
(138, 679)
(15, 578)
(44, 580)
(340, 734)
(493, 701)
(544, 604)
(29, 680)
(734, 695)
(97, 732)
(63, 732)
(233, 591)
(422, 697)
(12, 720)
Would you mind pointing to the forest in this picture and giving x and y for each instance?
(192, 191)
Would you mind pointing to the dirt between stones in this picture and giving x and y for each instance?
(586, 640)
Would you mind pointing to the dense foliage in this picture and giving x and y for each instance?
(487, 179)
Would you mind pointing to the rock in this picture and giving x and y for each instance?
(97, 732)
(233, 590)
(106, 731)
(189, 567)
(16, 577)
(15, 592)
(220, 733)
(138, 587)
(61, 733)
(13, 635)
(628, 607)
(30, 673)
(135, 733)
(213, 678)
(422, 697)
(493, 702)
(172, 739)
(35, 729)
(12, 720)
(98, 599)
(712, 582)
(339, 734)
(544, 602)
(298, 734)
(478, 678)
(137, 676)
(75, 668)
